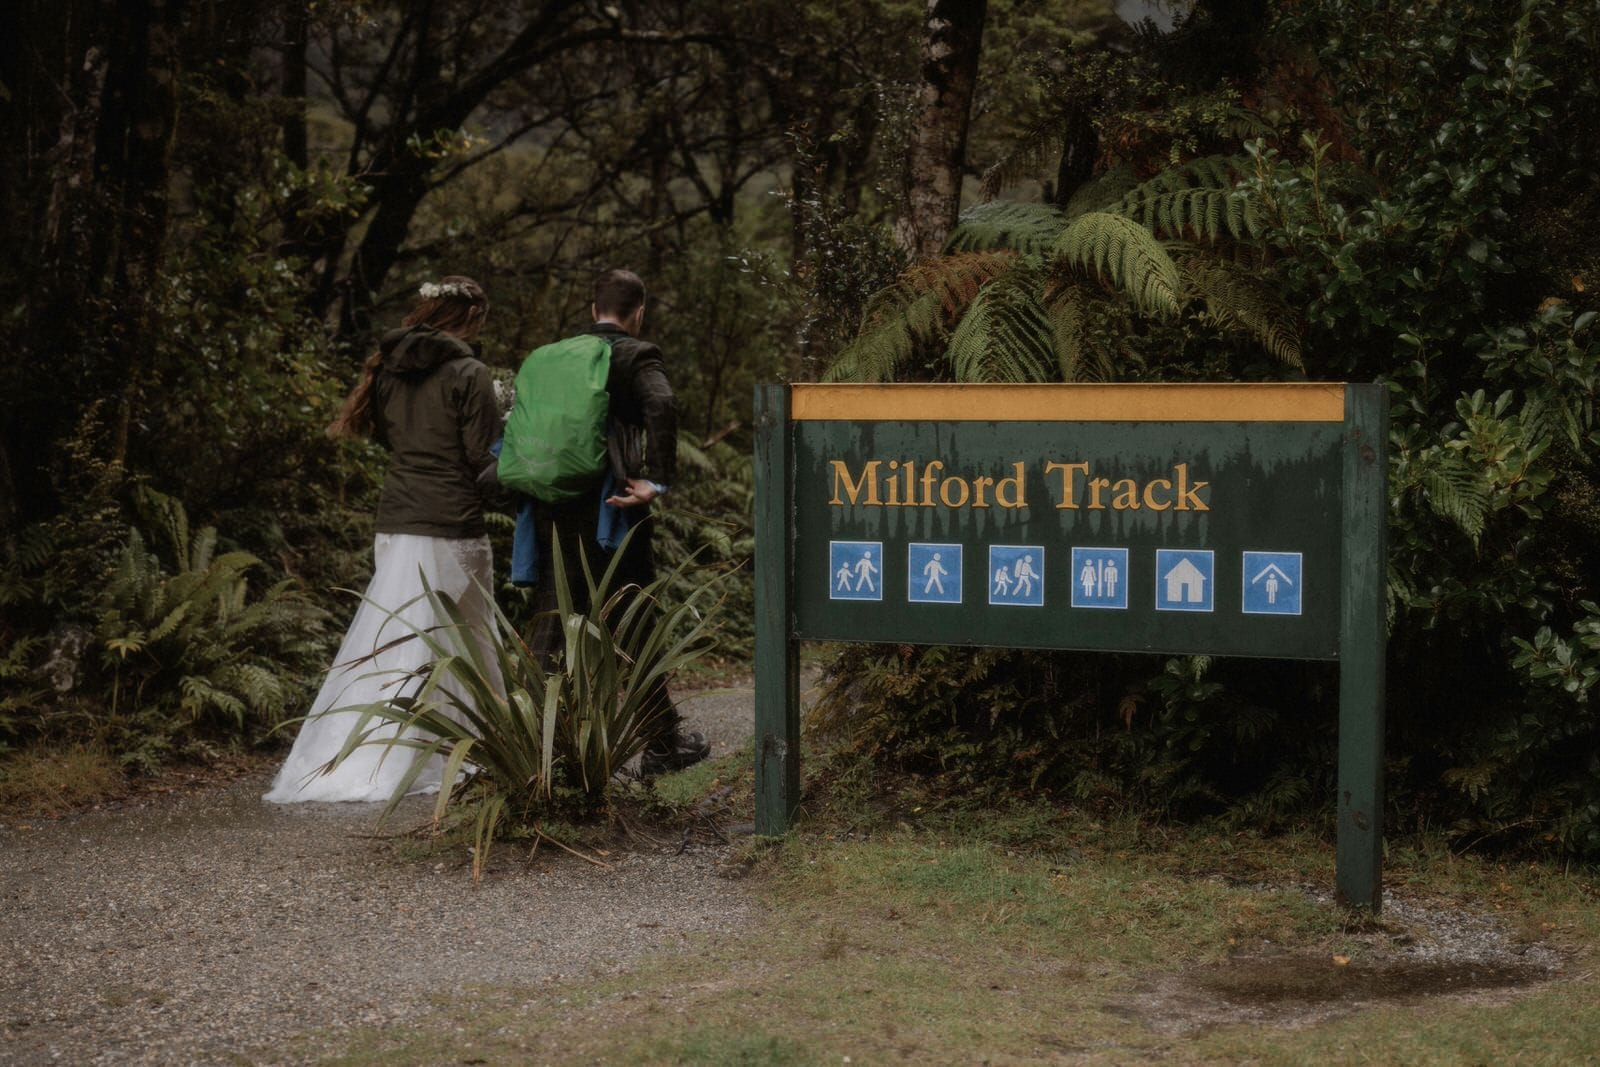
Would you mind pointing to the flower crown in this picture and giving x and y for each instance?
(434, 290)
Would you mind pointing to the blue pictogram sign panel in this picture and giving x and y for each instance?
(1100, 578)
(1274, 583)
(855, 570)
(1016, 575)
(933, 574)
(1185, 579)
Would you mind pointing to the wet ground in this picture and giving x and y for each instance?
(1416, 952)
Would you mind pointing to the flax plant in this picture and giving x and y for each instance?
(518, 734)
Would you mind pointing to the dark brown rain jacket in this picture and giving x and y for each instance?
(434, 409)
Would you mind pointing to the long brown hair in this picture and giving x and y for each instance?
(456, 306)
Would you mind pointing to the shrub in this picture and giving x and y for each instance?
(192, 654)
(526, 738)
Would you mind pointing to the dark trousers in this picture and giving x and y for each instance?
(573, 524)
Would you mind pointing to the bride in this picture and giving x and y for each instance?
(425, 396)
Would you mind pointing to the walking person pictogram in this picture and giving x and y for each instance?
(1019, 578)
(933, 573)
(1023, 576)
(1002, 581)
(855, 570)
(864, 572)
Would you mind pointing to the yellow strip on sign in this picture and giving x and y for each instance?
(1113, 402)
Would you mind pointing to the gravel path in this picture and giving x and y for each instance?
(214, 928)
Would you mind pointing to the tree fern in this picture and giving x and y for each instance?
(1237, 300)
(957, 279)
(1103, 192)
(1201, 200)
(1030, 229)
(1125, 254)
(1005, 334)
(1079, 326)
(915, 313)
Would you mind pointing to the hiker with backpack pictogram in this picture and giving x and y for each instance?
(591, 440)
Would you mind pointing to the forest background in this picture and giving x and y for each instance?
(214, 207)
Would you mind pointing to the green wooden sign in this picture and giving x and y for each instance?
(1217, 519)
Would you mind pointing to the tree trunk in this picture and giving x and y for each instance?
(296, 24)
(97, 244)
(937, 154)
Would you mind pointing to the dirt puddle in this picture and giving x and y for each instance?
(1420, 951)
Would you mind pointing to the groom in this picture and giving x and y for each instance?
(643, 442)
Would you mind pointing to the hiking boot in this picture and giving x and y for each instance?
(685, 750)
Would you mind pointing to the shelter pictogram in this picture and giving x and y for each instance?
(1185, 579)
(1274, 583)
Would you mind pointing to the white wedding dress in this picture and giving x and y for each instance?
(461, 568)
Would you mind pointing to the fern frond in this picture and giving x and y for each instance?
(34, 548)
(1030, 229)
(1236, 299)
(1456, 491)
(1239, 124)
(957, 278)
(258, 687)
(885, 345)
(1124, 253)
(1005, 335)
(200, 696)
(1201, 199)
(168, 515)
(915, 312)
(1077, 332)
(692, 457)
(1103, 192)
(167, 626)
(203, 548)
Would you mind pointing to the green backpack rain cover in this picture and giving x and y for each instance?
(555, 443)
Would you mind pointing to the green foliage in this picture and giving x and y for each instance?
(1094, 729)
(1421, 225)
(1124, 254)
(1239, 301)
(191, 652)
(705, 541)
(1004, 334)
(915, 313)
(523, 739)
(1200, 201)
(1013, 297)
(1031, 229)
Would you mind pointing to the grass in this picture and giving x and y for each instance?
(1024, 935)
(46, 782)
(682, 789)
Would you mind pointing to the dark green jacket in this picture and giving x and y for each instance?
(433, 408)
